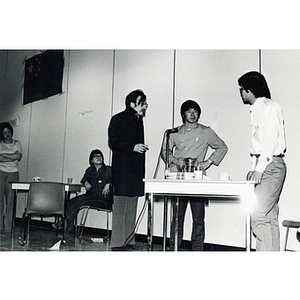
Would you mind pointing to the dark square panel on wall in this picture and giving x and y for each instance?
(43, 75)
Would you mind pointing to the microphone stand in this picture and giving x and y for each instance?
(165, 197)
(167, 164)
(175, 205)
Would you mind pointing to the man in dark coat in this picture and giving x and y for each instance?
(126, 140)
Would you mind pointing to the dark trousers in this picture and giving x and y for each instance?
(74, 205)
(198, 214)
(123, 221)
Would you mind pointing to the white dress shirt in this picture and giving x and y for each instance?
(267, 133)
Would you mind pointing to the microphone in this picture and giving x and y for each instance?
(172, 130)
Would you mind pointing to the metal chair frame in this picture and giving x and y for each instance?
(289, 224)
(80, 227)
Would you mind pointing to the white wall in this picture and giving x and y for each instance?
(58, 134)
(89, 104)
(282, 70)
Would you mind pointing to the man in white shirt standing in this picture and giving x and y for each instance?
(268, 169)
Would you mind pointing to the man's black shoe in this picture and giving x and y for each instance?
(118, 249)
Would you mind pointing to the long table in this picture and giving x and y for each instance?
(24, 186)
(214, 190)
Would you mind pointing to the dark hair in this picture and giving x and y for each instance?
(256, 83)
(95, 151)
(190, 104)
(5, 125)
(131, 97)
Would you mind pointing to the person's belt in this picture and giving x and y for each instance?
(258, 155)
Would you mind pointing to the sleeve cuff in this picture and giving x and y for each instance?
(261, 166)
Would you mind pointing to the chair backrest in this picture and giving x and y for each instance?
(46, 198)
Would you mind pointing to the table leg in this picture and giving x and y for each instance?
(64, 219)
(248, 231)
(14, 214)
(176, 223)
(249, 197)
(165, 222)
(149, 198)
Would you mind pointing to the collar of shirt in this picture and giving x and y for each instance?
(188, 127)
(256, 106)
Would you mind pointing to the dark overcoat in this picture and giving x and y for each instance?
(128, 167)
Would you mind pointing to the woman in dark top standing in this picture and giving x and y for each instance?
(97, 181)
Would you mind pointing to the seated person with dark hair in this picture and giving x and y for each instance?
(97, 181)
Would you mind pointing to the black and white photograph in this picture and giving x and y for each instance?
(151, 152)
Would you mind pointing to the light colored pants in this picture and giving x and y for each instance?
(7, 198)
(123, 221)
(265, 215)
